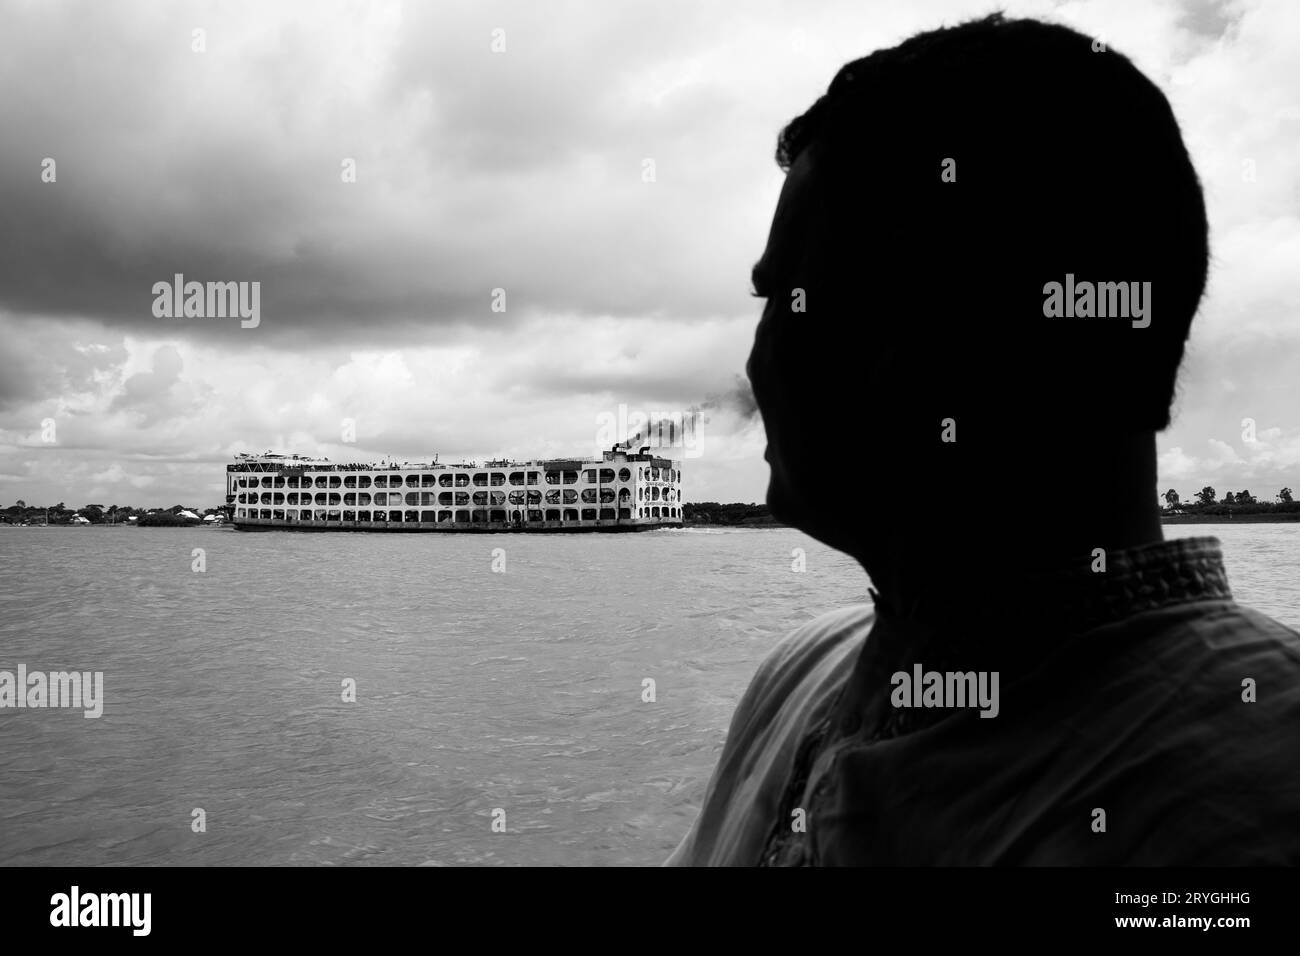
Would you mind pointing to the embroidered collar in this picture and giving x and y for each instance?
(1011, 631)
(1088, 592)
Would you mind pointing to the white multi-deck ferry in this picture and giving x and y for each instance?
(620, 491)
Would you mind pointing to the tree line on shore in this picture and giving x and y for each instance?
(22, 513)
(1204, 502)
(711, 512)
(1207, 502)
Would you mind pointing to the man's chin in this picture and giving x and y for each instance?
(792, 510)
(784, 506)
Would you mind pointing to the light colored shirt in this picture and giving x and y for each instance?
(1143, 718)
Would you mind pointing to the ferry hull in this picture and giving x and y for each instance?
(486, 527)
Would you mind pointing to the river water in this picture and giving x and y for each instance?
(513, 695)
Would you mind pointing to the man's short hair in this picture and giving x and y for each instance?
(1067, 160)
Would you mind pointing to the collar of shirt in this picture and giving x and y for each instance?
(1010, 632)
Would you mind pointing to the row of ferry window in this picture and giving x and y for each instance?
(483, 516)
(481, 479)
(479, 498)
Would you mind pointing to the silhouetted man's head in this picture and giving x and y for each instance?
(932, 196)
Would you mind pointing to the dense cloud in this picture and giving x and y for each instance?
(474, 170)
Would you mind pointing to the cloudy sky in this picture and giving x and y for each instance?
(607, 165)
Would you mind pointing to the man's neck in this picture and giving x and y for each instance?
(1102, 495)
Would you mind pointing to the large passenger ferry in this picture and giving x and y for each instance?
(620, 491)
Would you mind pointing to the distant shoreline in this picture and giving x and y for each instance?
(1279, 518)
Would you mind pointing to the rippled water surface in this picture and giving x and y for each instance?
(475, 690)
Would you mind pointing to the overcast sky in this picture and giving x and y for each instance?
(523, 169)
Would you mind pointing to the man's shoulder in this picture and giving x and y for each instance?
(823, 635)
(1189, 741)
(1233, 619)
(793, 684)
(811, 651)
(798, 678)
(1231, 644)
